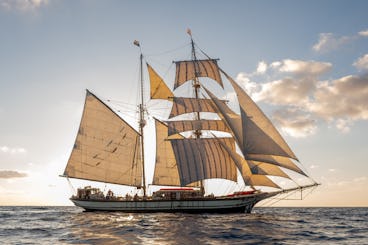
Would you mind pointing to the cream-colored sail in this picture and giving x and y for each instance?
(159, 89)
(203, 158)
(231, 119)
(106, 148)
(190, 69)
(234, 122)
(183, 105)
(166, 169)
(276, 160)
(263, 168)
(246, 172)
(176, 127)
(259, 134)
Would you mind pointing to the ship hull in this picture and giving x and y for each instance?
(216, 205)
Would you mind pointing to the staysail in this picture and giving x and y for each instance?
(166, 170)
(259, 134)
(106, 148)
(159, 89)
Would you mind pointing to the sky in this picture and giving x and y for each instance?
(304, 62)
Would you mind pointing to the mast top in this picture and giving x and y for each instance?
(189, 31)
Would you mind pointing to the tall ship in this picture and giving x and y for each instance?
(202, 140)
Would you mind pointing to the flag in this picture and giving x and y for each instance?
(136, 43)
(189, 31)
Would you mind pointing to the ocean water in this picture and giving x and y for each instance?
(70, 225)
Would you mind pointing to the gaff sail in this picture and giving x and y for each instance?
(106, 148)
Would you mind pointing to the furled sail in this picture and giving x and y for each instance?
(159, 89)
(259, 134)
(176, 127)
(106, 148)
(203, 158)
(190, 69)
(183, 105)
(166, 170)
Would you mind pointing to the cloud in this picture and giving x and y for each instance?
(262, 67)
(296, 87)
(343, 125)
(286, 91)
(300, 67)
(300, 98)
(16, 150)
(362, 63)
(328, 42)
(294, 122)
(363, 33)
(22, 5)
(245, 81)
(343, 98)
(9, 174)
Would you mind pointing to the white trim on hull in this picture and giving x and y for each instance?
(217, 205)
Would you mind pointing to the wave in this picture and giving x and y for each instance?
(53, 225)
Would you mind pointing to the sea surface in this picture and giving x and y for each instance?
(70, 225)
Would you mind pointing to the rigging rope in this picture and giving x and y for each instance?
(71, 186)
(168, 51)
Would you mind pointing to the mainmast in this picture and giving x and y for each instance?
(196, 87)
(196, 84)
(142, 121)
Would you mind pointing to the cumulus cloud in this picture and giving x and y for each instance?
(301, 98)
(249, 86)
(344, 98)
(297, 86)
(262, 67)
(9, 174)
(301, 67)
(23, 5)
(286, 91)
(328, 42)
(362, 63)
(294, 122)
(14, 150)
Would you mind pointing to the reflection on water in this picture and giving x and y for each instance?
(157, 228)
(70, 225)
